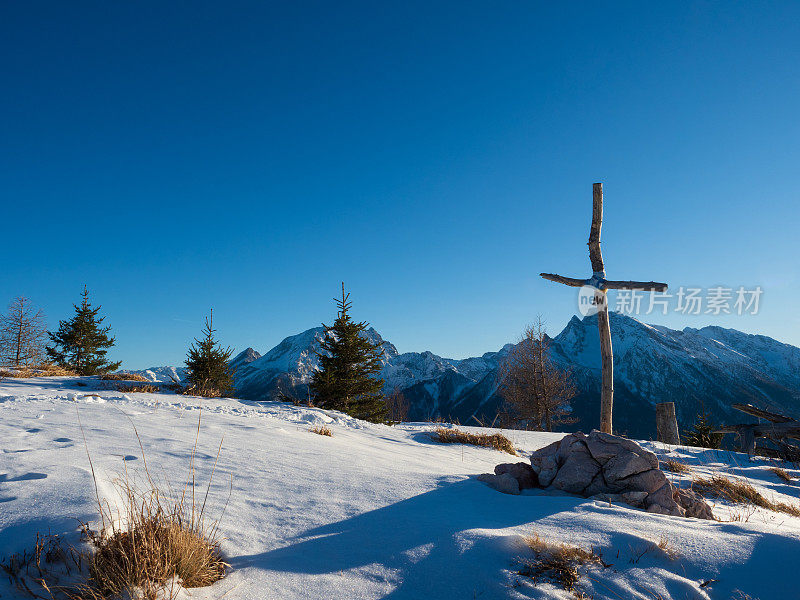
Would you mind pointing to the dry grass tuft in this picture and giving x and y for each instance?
(159, 544)
(43, 370)
(667, 548)
(163, 539)
(150, 549)
(48, 555)
(321, 430)
(123, 376)
(663, 546)
(781, 474)
(455, 436)
(740, 492)
(675, 466)
(148, 388)
(557, 563)
(207, 391)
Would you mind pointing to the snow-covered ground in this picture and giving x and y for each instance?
(372, 512)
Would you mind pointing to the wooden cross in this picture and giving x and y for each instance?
(600, 284)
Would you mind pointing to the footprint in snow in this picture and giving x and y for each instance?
(4, 478)
(62, 440)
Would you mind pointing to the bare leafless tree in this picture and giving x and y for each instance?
(22, 334)
(397, 406)
(535, 390)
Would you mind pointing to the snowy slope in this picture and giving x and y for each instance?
(372, 512)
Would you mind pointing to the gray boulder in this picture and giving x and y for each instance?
(577, 470)
(614, 469)
(693, 504)
(505, 483)
(521, 471)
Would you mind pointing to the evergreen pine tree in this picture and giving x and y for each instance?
(81, 344)
(703, 435)
(349, 363)
(207, 365)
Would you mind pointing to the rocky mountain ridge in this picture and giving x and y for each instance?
(707, 368)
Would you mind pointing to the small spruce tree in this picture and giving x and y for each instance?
(81, 343)
(349, 363)
(208, 371)
(703, 435)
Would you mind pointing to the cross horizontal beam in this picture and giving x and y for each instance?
(605, 284)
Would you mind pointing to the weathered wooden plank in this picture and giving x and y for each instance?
(653, 286)
(761, 413)
(570, 281)
(778, 430)
(607, 356)
(595, 255)
(749, 432)
(650, 286)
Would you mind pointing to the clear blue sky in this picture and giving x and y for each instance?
(434, 156)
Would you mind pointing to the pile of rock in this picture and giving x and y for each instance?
(602, 466)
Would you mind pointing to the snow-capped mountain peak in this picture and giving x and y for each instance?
(708, 368)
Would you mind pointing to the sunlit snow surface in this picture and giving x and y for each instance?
(372, 512)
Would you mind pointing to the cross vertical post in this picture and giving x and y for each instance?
(603, 324)
(600, 285)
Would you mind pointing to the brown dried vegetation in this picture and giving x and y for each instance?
(158, 545)
(675, 466)
(739, 491)
(456, 436)
(557, 563)
(781, 474)
(147, 388)
(43, 370)
(123, 376)
(321, 430)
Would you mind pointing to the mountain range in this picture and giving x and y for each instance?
(699, 369)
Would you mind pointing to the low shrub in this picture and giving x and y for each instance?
(456, 436)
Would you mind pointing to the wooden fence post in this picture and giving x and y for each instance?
(667, 424)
